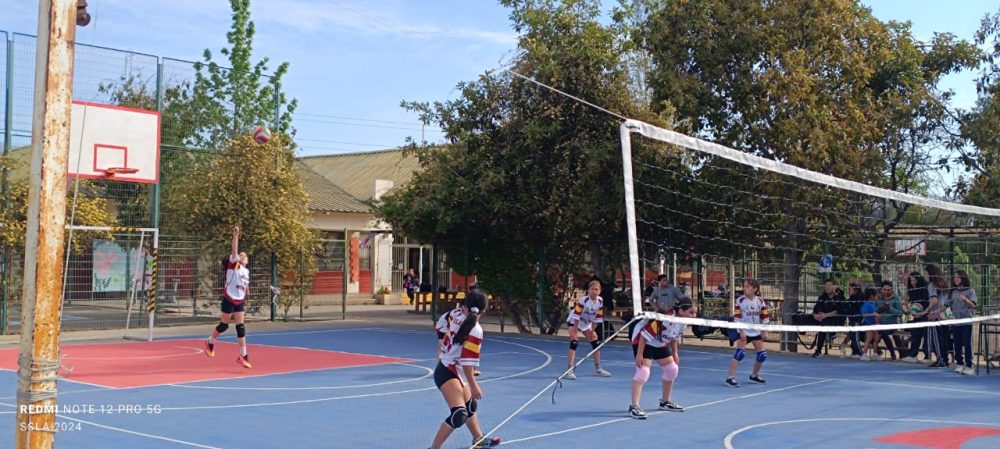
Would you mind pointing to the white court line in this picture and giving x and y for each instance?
(131, 432)
(617, 420)
(548, 360)
(184, 354)
(429, 372)
(728, 441)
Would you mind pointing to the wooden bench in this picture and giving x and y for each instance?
(446, 301)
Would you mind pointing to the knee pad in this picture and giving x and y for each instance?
(762, 356)
(573, 345)
(670, 372)
(241, 330)
(457, 418)
(740, 353)
(594, 344)
(641, 374)
(222, 327)
(471, 405)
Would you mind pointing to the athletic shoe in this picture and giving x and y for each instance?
(757, 379)
(959, 369)
(817, 355)
(487, 442)
(570, 376)
(855, 356)
(877, 357)
(636, 412)
(601, 372)
(476, 372)
(909, 359)
(244, 361)
(209, 349)
(969, 371)
(938, 364)
(669, 406)
(732, 382)
(865, 358)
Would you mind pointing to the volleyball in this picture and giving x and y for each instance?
(915, 307)
(262, 134)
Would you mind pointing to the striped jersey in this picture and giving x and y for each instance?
(444, 321)
(460, 354)
(657, 333)
(586, 311)
(751, 311)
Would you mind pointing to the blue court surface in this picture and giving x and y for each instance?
(807, 403)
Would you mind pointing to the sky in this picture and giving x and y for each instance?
(352, 61)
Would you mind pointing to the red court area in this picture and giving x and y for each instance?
(143, 364)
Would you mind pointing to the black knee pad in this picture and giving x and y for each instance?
(457, 418)
(222, 327)
(241, 330)
(594, 344)
(573, 344)
(471, 405)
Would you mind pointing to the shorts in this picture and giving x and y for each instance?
(582, 326)
(229, 307)
(443, 374)
(652, 352)
(753, 339)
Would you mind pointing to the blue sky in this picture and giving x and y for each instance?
(353, 61)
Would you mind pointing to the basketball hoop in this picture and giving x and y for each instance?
(115, 171)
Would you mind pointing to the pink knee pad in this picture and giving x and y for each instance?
(641, 374)
(670, 372)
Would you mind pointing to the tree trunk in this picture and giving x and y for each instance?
(516, 313)
(793, 271)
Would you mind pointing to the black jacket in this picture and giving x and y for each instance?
(827, 304)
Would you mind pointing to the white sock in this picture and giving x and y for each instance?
(243, 351)
(211, 339)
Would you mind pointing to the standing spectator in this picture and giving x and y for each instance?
(917, 295)
(826, 312)
(890, 310)
(853, 311)
(411, 282)
(962, 302)
(869, 317)
(937, 294)
(664, 294)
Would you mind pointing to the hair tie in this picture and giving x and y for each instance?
(474, 309)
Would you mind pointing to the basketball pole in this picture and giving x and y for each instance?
(38, 362)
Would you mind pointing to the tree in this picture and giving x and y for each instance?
(233, 180)
(819, 84)
(981, 156)
(529, 182)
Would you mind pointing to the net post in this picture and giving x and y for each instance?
(625, 131)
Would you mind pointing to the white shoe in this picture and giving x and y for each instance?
(570, 376)
(909, 359)
(960, 369)
(876, 358)
(969, 371)
(865, 358)
(601, 372)
(855, 356)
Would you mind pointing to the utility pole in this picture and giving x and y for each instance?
(38, 363)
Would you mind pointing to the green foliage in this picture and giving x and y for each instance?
(528, 175)
(982, 155)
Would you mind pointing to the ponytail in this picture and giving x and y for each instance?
(476, 303)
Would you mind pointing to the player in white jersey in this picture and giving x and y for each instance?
(587, 313)
(234, 295)
(444, 321)
(750, 309)
(458, 353)
(656, 340)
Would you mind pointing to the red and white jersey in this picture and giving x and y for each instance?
(586, 311)
(657, 333)
(237, 280)
(751, 311)
(466, 353)
(444, 321)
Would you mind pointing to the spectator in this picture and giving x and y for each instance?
(411, 282)
(825, 312)
(853, 312)
(937, 293)
(917, 295)
(664, 295)
(962, 302)
(869, 317)
(890, 309)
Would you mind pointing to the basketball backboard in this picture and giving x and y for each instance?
(113, 142)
